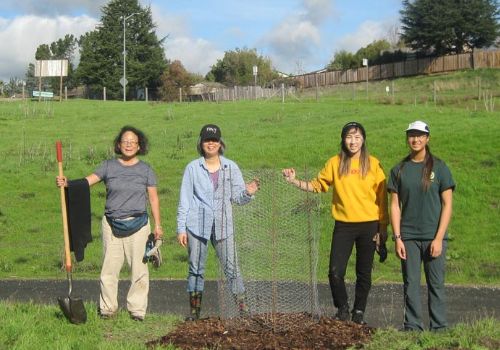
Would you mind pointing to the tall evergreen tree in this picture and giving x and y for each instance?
(449, 26)
(101, 50)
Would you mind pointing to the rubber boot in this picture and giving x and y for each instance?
(195, 306)
(343, 313)
(242, 305)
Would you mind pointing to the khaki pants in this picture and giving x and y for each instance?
(115, 251)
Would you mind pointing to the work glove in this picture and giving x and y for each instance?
(152, 252)
(380, 246)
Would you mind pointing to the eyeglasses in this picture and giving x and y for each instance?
(129, 142)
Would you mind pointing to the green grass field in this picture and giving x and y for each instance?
(301, 132)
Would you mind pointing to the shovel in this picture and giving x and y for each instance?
(72, 308)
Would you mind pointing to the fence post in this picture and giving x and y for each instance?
(146, 94)
(434, 91)
(478, 88)
(367, 75)
(65, 93)
(316, 83)
(282, 93)
(180, 94)
(104, 93)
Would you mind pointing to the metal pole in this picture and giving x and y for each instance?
(125, 57)
(61, 82)
(124, 60)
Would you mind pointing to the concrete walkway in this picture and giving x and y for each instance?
(385, 305)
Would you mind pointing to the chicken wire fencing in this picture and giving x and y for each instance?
(275, 257)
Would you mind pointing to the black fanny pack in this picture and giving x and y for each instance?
(127, 227)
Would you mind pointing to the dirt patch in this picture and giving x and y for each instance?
(254, 333)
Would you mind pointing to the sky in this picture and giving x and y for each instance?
(299, 36)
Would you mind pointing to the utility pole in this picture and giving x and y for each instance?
(123, 81)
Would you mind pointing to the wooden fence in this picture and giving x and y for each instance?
(240, 93)
(477, 59)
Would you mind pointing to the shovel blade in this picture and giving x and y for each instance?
(73, 309)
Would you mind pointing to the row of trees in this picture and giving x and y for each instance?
(101, 58)
(428, 27)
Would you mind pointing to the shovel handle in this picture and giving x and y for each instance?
(67, 253)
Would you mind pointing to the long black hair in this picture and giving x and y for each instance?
(345, 154)
(426, 170)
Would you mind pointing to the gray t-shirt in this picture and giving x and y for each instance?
(126, 187)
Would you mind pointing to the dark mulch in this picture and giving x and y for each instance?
(255, 333)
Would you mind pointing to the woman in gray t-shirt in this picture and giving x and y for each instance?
(130, 185)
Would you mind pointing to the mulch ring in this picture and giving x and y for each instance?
(301, 332)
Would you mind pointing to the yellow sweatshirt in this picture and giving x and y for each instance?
(355, 199)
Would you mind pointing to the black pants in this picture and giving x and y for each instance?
(345, 235)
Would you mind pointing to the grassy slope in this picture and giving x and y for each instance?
(259, 135)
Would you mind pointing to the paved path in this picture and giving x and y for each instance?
(385, 306)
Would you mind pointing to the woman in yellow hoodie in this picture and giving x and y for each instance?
(359, 208)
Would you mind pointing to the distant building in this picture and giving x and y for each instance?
(204, 91)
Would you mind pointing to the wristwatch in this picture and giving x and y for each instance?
(396, 237)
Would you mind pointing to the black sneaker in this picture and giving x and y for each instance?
(357, 317)
(342, 313)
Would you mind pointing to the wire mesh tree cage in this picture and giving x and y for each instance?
(276, 243)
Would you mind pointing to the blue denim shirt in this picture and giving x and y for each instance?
(200, 207)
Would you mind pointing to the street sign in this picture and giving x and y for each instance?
(123, 82)
(42, 94)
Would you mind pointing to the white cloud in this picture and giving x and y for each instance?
(317, 10)
(20, 37)
(366, 33)
(54, 7)
(196, 55)
(293, 41)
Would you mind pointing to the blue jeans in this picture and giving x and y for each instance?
(417, 252)
(226, 253)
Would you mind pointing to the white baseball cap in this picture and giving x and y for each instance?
(418, 126)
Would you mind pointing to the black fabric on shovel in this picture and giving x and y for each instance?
(79, 222)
